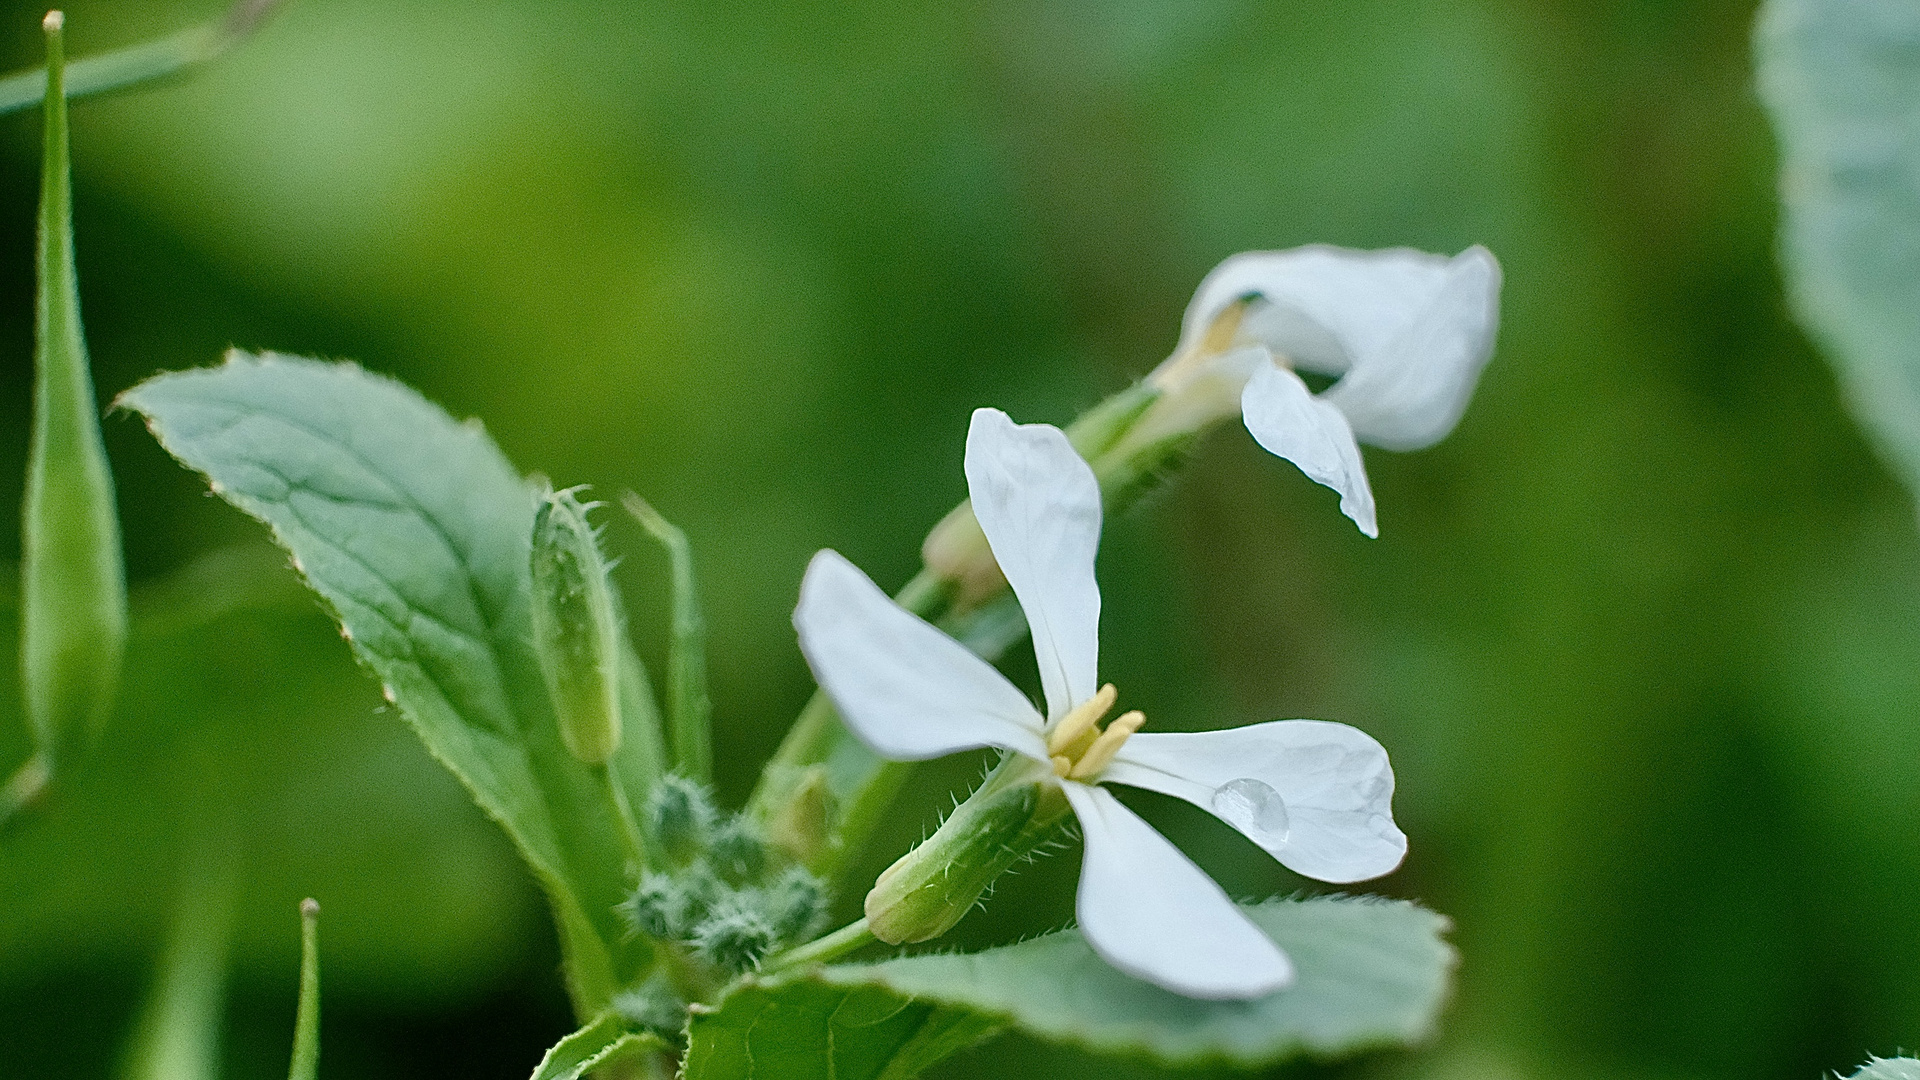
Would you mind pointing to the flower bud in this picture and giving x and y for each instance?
(576, 631)
(653, 1006)
(679, 817)
(734, 938)
(931, 887)
(736, 852)
(802, 825)
(795, 904)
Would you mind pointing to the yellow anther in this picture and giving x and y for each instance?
(1062, 765)
(1100, 754)
(1081, 719)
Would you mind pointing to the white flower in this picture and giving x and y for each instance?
(1405, 332)
(1317, 796)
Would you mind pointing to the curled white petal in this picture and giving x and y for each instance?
(1285, 418)
(906, 689)
(1039, 504)
(1318, 796)
(1147, 910)
(1408, 331)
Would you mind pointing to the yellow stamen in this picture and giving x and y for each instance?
(1062, 765)
(1100, 754)
(1081, 719)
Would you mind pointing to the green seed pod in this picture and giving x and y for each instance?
(928, 890)
(576, 631)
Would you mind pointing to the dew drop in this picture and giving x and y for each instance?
(1254, 808)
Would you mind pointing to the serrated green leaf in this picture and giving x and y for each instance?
(601, 1044)
(1889, 1069)
(1370, 973)
(1841, 79)
(415, 530)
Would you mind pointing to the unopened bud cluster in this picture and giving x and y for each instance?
(720, 892)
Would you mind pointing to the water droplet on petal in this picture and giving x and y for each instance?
(1254, 808)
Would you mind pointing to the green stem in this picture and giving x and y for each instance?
(306, 1024)
(24, 788)
(833, 946)
(144, 62)
(622, 812)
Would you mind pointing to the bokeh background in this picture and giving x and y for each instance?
(1643, 635)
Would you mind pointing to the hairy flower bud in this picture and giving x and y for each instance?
(736, 852)
(576, 629)
(795, 904)
(679, 817)
(734, 938)
(653, 1006)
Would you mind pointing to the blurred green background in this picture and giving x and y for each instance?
(1643, 636)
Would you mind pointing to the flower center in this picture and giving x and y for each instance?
(1078, 746)
(1218, 340)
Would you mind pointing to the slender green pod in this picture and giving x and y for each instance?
(73, 612)
(306, 1017)
(689, 708)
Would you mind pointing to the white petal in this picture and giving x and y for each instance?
(1410, 394)
(1286, 419)
(1039, 505)
(1147, 910)
(906, 689)
(1409, 331)
(1317, 795)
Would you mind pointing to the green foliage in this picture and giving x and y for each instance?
(1888, 1069)
(602, 1044)
(1842, 81)
(73, 585)
(1369, 974)
(415, 530)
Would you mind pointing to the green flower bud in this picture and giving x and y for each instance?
(680, 816)
(801, 826)
(928, 890)
(653, 1006)
(734, 938)
(795, 904)
(576, 631)
(736, 851)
